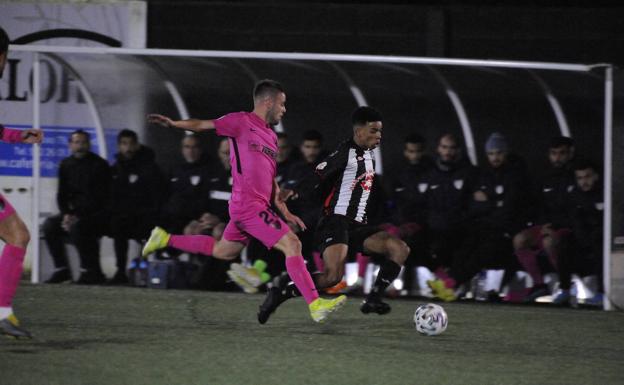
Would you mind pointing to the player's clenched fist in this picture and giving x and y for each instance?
(160, 119)
(32, 136)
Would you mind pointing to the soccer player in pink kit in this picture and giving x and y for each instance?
(253, 149)
(13, 231)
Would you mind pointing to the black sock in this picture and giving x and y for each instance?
(388, 272)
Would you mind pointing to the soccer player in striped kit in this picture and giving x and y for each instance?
(253, 153)
(345, 180)
(13, 231)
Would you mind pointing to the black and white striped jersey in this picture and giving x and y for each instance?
(345, 179)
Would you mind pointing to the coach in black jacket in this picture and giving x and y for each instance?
(189, 187)
(447, 190)
(138, 191)
(83, 199)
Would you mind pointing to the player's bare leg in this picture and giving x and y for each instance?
(303, 285)
(14, 233)
(334, 259)
(396, 252)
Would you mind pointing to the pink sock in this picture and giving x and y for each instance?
(362, 261)
(196, 244)
(318, 261)
(528, 260)
(301, 277)
(11, 263)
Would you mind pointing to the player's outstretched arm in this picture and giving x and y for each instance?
(32, 136)
(195, 125)
(29, 136)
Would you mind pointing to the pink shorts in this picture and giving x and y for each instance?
(259, 222)
(5, 208)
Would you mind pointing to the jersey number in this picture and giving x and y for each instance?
(270, 219)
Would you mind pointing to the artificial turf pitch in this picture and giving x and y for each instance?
(116, 335)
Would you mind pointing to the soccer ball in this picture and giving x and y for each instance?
(430, 319)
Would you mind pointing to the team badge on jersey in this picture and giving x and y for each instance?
(458, 183)
(599, 206)
(422, 187)
(195, 179)
(132, 178)
(499, 189)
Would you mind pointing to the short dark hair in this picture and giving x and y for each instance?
(80, 132)
(195, 137)
(127, 133)
(312, 135)
(282, 135)
(267, 87)
(415, 139)
(561, 141)
(451, 136)
(584, 164)
(363, 115)
(4, 41)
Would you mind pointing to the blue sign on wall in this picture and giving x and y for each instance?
(16, 159)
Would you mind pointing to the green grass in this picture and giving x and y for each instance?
(111, 335)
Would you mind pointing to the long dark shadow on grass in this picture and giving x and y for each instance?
(52, 345)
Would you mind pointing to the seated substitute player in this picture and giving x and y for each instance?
(580, 251)
(345, 180)
(13, 231)
(253, 149)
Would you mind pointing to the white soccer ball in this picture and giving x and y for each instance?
(430, 319)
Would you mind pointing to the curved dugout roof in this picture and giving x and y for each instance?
(528, 105)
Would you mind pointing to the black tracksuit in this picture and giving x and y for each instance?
(488, 240)
(555, 188)
(581, 251)
(138, 192)
(220, 191)
(447, 190)
(404, 180)
(189, 195)
(83, 191)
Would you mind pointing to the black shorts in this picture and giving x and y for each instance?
(338, 229)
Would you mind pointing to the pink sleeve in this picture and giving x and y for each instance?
(229, 125)
(11, 136)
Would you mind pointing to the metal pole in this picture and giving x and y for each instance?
(608, 158)
(36, 172)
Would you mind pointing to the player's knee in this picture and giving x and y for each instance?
(20, 236)
(549, 243)
(291, 245)
(224, 254)
(520, 241)
(399, 250)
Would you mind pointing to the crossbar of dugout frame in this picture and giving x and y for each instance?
(307, 56)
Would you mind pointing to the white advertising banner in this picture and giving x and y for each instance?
(69, 99)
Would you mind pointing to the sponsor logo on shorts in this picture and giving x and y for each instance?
(329, 239)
